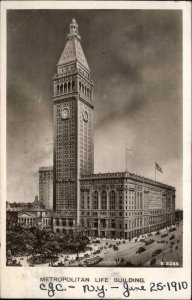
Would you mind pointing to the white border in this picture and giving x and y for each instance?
(21, 282)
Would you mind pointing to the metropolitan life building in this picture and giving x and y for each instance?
(120, 204)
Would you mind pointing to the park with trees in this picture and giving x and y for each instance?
(22, 241)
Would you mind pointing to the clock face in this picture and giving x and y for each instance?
(65, 113)
(85, 115)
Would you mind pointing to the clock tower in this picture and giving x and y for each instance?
(73, 130)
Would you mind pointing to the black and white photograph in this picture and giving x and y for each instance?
(94, 139)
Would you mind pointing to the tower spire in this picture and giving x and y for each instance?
(73, 30)
(73, 51)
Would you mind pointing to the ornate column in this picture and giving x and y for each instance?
(99, 208)
(99, 201)
(90, 200)
(107, 200)
(107, 220)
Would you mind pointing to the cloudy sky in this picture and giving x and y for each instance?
(135, 58)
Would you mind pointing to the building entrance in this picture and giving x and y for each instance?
(103, 234)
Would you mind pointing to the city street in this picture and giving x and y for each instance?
(128, 250)
(170, 252)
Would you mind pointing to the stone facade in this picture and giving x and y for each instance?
(121, 205)
(118, 204)
(73, 127)
(29, 214)
(40, 218)
(46, 186)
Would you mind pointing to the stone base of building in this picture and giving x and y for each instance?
(110, 233)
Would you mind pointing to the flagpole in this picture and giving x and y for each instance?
(155, 173)
(126, 156)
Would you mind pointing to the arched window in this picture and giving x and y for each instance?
(65, 87)
(58, 89)
(61, 89)
(85, 90)
(112, 200)
(69, 86)
(104, 200)
(80, 86)
(95, 200)
(73, 85)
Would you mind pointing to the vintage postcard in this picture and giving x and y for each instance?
(95, 149)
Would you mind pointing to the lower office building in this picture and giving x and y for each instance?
(46, 186)
(121, 205)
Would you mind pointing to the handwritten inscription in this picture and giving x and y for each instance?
(129, 288)
(125, 289)
(173, 285)
(100, 291)
(52, 288)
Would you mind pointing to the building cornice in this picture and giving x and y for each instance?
(125, 175)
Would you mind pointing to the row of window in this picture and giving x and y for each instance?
(60, 150)
(85, 90)
(48, 181)
(64, 223)
(103, 224)
(65, 207)
(65, 88)
(112, 200)
(88, 213)
(69, 86)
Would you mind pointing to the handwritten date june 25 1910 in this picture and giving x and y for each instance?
(125, 289)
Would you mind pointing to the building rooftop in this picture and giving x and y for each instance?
(124, 175)
(73, 51)
(49, 168)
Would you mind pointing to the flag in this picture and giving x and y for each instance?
(158, 168)
(129, 150)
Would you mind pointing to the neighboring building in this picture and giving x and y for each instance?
(37, 204)
(36, 217)
(18, 206)
(46, 186)
(107, 205)
(29, 214)
(27, 218)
